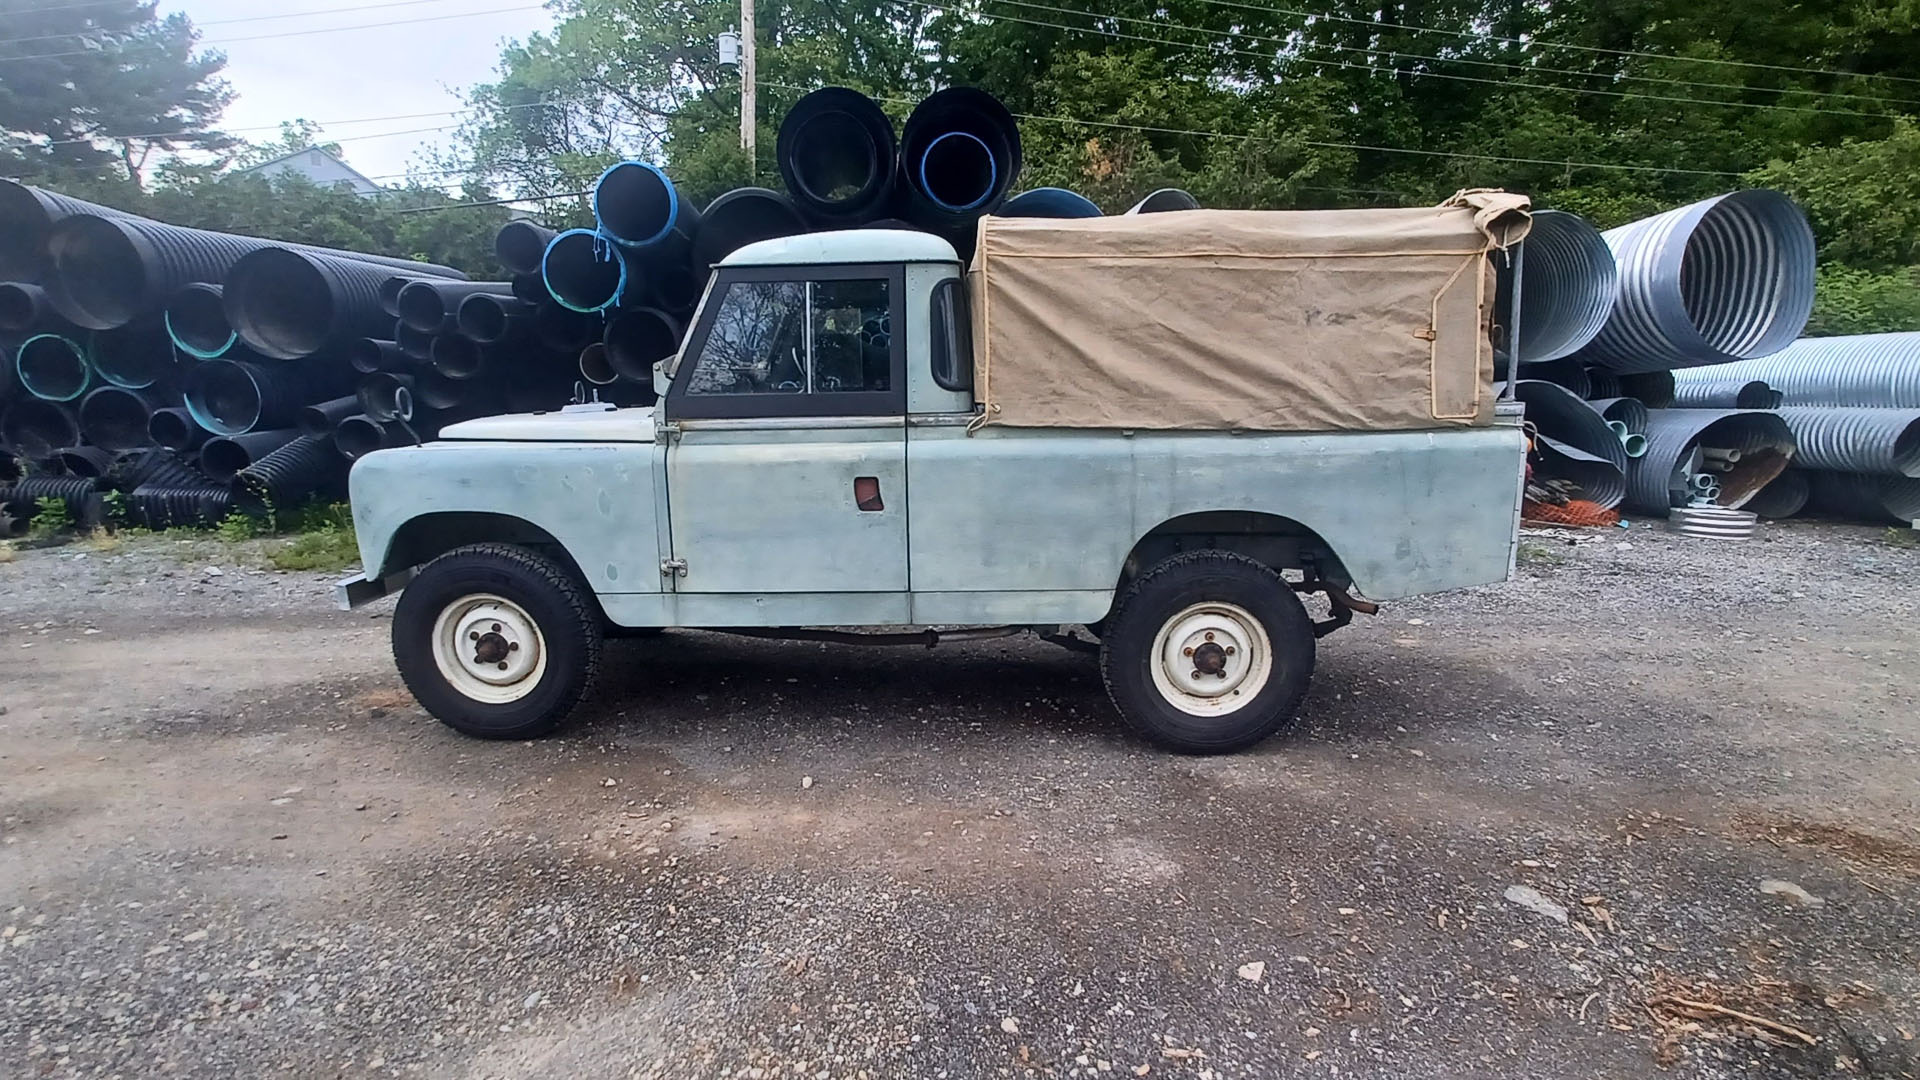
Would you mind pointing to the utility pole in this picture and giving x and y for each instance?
(747, 125)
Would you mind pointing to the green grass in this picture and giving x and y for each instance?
(323, 549)
(1540, 555)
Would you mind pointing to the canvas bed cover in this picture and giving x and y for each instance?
(1315, 320)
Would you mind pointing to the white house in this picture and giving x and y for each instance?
(318, 167)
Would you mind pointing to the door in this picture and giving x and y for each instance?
(788, 474)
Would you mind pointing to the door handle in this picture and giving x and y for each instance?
(866, 494)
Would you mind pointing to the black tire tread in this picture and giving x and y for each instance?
(585, 615)
(1119, 628)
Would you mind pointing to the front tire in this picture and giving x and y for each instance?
(496, 641)
(1208, 652)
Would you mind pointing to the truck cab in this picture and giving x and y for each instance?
(818, 459)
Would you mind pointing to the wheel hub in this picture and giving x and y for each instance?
(1211, 658)
(489, 648)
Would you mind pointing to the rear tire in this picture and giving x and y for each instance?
(1207, 653)
(497, 642)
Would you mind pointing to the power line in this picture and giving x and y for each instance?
(323, 124)
(229, 22)
(1325, 145)
(297, 33)
(1345, 64)
(1235, 4)
(1377, 23)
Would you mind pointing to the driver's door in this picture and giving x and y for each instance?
(788, 470)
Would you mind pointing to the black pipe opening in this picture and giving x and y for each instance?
(740, 217)
(22, 306)
(358, 436)
(86, 462)
(280, 302)
(636, 203)
(317, 420)
(435, 391)
(488, 319)
(116, 418)
(594, 366)
(385, 396)
(98, 271)
(52, 367)
(584, 271)
(563, 328)
(836, 151)
(521, 244)
(412, 343)
(221, 458)
(223, 397)
(961, 155)
(175, 429)
(197, 320)
(368, 355)
(457, 356)
(37, 429)
(136, 356)
(637, 339)
(422, 307)
(958, 171)
(24, 225)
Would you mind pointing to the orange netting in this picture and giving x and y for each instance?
(1578, 512)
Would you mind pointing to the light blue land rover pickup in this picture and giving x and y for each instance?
(823, 456)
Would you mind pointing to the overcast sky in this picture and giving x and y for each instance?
(349, 75)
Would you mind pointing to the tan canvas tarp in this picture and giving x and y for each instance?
(1323, 320)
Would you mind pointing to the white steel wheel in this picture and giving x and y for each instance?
(1211, 658)
(489, 649)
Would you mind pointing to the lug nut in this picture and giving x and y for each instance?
(1189, 652)
(473, 635)
(496, 628)
(513, 646)
(503, 665)
(1209, 634)
(1229, 650)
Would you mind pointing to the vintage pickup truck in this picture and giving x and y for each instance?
(858, 434)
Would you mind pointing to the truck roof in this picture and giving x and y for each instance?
(846, 246)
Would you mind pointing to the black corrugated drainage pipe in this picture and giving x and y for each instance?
(639, 338)
(457, 356)
(521, 244)
(385, 396)
(164, 505)
(27, 216)
(960, 151)
(37, 428)
(1049, 202)
(288, 304)
(224, 456)
(82, 496)
(154, 465)
(740, 217)
(197, 322)
(1163, 201)
(491, 319)
(53, 367)
(358, 436)
(86, 462)
(176, 429)
(637, 205)
(229, 397)
(319, 419)
(584, 271)
(430, 306)
(119, 419)
(137, 356)
(23, 307)
(287, 476)
(837, 153)
(389, 292)
(412, 344)
(368, 355)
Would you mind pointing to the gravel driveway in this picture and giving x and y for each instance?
(1651, 809)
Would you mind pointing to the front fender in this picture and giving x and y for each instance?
(598, 500)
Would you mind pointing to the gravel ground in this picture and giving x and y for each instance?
(1651, 806)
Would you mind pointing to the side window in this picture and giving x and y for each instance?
(795, 337)
(952, 337)
(758, 343)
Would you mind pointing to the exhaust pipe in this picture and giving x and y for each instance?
(138, 356)
(231, 397)
(319, 420)
(491, 319)
(1049, 202)
(177, 430)
(429, 306)
(636, 340)
(197, 323)
(53, 368)
(288, 476)
(385, 396)
(837, 153)
(119, 419)
(369, 355)
(638, 206)
(520, 245)
(23, 307)
(961, 154)
(740, 217)
(224, 456)
(584, 271)
(288, 304)
(1166, 200)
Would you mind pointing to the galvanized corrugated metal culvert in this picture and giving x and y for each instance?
(1726, 278)
(1882, 441)
(1872, 371)
(1654, 481)
(1568, 289)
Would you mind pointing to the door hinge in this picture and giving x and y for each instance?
(673, 567)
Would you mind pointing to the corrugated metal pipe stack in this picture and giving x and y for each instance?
(1853, 406)
(1609, 322)
(191, 372)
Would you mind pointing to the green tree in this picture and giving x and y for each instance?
(89, 90)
